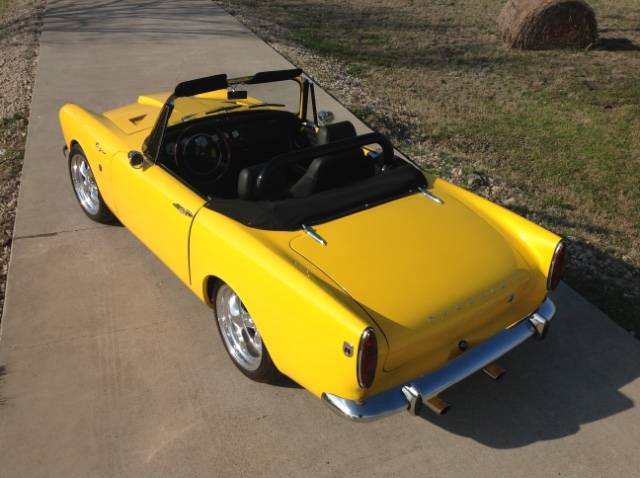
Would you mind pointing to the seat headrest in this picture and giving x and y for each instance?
(333, 171)
(336, 132)
(247, 180)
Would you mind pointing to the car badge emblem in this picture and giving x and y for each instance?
(100, 148)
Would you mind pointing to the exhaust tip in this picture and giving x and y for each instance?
(494, 371)
(437, 405)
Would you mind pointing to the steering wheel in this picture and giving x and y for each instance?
(203, 153)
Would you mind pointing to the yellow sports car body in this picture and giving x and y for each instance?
(324, 255)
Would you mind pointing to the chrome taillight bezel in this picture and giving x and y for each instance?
(557, 265)
(364, 381)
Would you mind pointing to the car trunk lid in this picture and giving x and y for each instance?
(427, 273)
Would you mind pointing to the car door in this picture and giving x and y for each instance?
(158, 209)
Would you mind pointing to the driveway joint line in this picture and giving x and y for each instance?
(64, 231)
(20, 348)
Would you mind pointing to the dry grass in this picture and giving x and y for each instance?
(554, 135)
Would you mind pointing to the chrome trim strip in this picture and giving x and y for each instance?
(414, 398)
(396, 400)
(182, 210)
(430, 195)
(311, 232)
(539, 320)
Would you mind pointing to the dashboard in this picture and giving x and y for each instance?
(252, 137)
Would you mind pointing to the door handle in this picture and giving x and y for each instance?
(182, 210)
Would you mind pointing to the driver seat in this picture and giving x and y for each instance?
(335, 132)
(247, 180)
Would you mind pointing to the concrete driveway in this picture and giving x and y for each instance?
(109, 367)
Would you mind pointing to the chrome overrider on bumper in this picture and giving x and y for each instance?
(410, 396)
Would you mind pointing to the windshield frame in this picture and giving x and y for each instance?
(153, 143)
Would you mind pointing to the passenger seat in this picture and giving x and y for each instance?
(335, 132)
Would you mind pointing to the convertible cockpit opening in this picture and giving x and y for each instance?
(291, 213)
(210, 153)
(268, 164)
(340, 174)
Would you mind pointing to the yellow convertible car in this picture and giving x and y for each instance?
(323, 254)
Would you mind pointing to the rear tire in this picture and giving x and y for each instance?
(241, 337)
(86, 189)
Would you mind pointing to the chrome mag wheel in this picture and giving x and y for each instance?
(84, 184)
(239, 332)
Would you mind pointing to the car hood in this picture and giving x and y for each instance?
(428, 274)
(138, 118)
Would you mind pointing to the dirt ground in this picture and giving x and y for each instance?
(20, 26)
(552, 135)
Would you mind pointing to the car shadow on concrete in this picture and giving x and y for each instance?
(552, 387)
(285, 382)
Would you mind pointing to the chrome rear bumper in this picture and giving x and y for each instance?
(410, 396)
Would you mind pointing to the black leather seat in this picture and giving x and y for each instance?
(272, 180)
(333, 171)
(335, 132)
(247, 180)
(336, 170)
(267, 180)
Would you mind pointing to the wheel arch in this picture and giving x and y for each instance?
(303, 319)
(209, 286)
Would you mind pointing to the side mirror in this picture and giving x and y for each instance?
(325, 117)
(136, 159)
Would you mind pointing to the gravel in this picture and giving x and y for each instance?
(20, 27)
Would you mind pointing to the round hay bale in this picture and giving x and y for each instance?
(547, 24)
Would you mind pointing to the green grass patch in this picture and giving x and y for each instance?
(582, 142)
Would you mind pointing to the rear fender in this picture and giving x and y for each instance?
(536, 244)
(304, 320)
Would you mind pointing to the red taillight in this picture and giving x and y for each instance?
(557, 266)
(367, 358)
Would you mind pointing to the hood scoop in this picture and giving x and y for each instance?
(137, 119)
